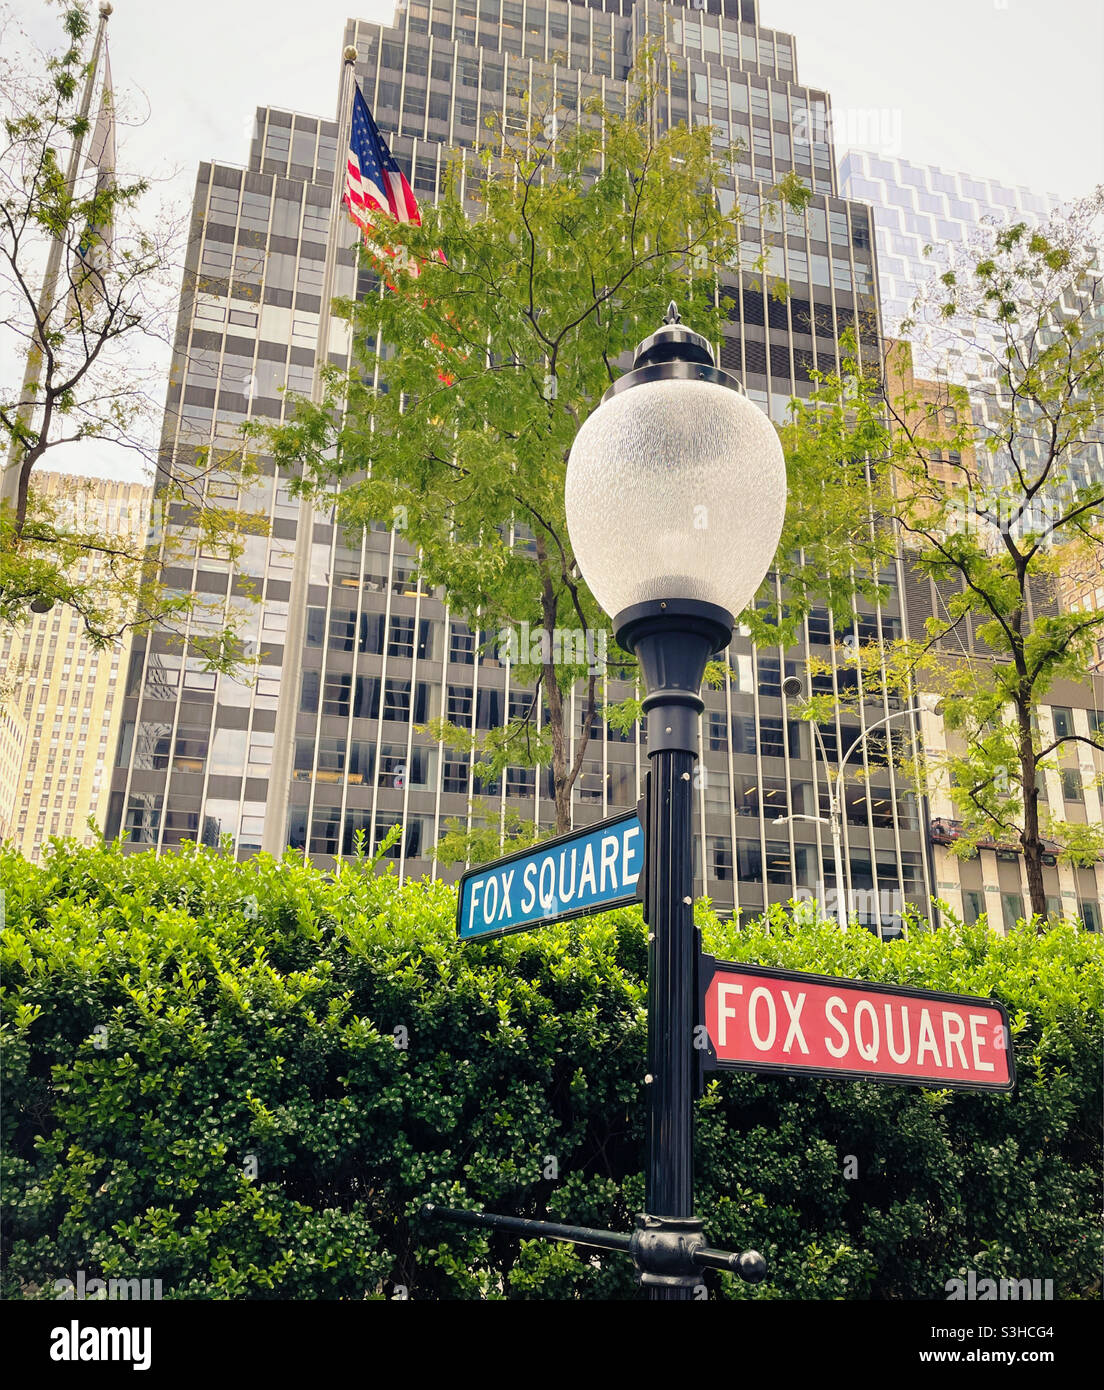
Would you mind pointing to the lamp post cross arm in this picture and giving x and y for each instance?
(896, 714)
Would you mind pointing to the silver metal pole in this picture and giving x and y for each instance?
(842, 889)
(836, 800)
(32, 376)
(842, 892)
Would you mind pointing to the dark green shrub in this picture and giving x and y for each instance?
(244, 1080)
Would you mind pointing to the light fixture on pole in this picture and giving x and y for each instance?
(792, 686)
(675, 498)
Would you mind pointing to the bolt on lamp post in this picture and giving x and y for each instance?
(792, 686)
(675, 497)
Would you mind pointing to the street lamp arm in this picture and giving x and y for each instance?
(897, 714)
(823, 750)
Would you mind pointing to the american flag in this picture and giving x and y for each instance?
(373, 180)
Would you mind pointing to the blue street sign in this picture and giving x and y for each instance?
(589, 870)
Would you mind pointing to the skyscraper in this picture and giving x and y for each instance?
(380, 655)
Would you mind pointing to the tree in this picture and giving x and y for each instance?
(996, 492)
(93, 333)
(475, 368)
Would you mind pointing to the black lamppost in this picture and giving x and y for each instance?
(676, 493)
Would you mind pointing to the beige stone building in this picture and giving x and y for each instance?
(993, 881)
(1081, 590)
(13, 735)
(58, 707)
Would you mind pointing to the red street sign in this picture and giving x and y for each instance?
(759, 1019)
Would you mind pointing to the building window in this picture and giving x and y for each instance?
(392, 770)
(1063, 721)
(410, 844)
(771, 738)
(324, 831)
(260, 753)
(784, 868)
(396, 700)
(520, 781)
(461, 644)
(454, 776)
(459, 706)
(405, 582)
(1071, 785)
(1013, 909)
(143, 818)
(190, 751)
(718, 732)
(820, 627)
(488, 713)
(720, 858)
(367, 702)
(521, 706)
(335, 694)
(589, 786)
(400, 640)
(749, 861)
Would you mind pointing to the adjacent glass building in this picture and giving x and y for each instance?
(380, 655)
(919, 209)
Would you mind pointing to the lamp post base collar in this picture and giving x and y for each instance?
(673, 639)
(690, 615)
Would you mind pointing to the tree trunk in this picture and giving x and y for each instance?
(30, 457)
(561, 783)
(1029, 836)
(564, 770)
(561, 787)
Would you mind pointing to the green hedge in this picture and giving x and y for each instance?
(203, 1084)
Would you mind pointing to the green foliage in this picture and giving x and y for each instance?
(488, 836)
(169, 1022)
(84, 321)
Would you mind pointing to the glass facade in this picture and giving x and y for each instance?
(380, 655)
(919, 211)
(917, 207)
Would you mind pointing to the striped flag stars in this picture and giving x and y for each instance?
(373, 180)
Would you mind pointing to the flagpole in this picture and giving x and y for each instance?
(274, 834)
(10, 483)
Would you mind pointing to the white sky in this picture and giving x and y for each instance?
(1008, 89)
